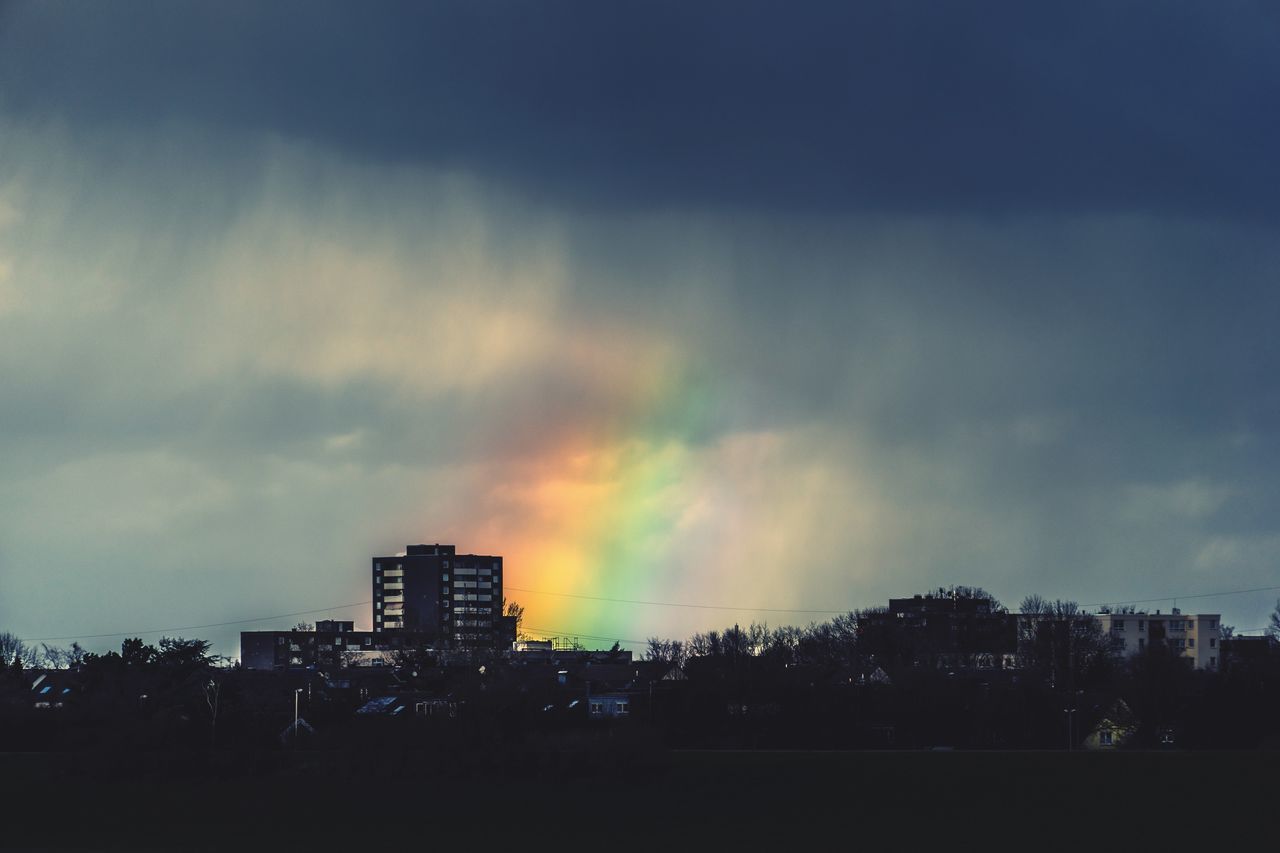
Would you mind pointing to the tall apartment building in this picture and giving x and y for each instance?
(431, 589)
(1195, 636)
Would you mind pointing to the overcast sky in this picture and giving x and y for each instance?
(721, 303)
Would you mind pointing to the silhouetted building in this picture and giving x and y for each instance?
(328, 645)
(332, 645)
(1245, 652)
(434, 591)
(944, 630)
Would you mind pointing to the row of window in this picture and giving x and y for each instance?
(1173, 624)
(473, 571)
(1181, 643)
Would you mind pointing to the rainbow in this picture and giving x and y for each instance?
(599, 510)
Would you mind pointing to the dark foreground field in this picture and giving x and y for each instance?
(711, 800)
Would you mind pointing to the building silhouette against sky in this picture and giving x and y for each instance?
(431, 589)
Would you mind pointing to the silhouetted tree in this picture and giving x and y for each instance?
(12, 648)
(1274, 628)
(177, 653)
(1062, 643)
(669, 652)
(55, 657)
(134, 652)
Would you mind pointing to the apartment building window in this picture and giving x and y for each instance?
(1104, 737)
(1213, 661)
(1191, 643)
(1142, 624)
(1142, 644)
(1118, 625)
(1213, 642)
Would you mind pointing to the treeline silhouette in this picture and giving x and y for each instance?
(988, 679)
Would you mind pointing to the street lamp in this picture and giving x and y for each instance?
(1070, 712)
(297, 693)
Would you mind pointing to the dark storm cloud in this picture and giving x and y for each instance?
(993, 107)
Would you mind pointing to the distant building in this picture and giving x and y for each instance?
(332, 645)
(1113, 730)
(434, 591)
(1196, 637)
(1245, 652)
(325, 646)
(946, 630)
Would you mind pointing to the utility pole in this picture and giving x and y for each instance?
(297, 694)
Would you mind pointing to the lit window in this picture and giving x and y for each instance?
(1104, 737)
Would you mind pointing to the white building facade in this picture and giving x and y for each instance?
(1197, 637)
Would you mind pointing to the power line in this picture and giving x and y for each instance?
(675, 603)
(592, 598)
(1182, 597)
(195, 627)
(546, 632)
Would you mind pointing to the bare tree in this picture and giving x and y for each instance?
(672, 653)
(12, 648)
(1274, 628)
(56, 657)
(515, 611)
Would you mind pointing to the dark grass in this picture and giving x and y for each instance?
(568, 799)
